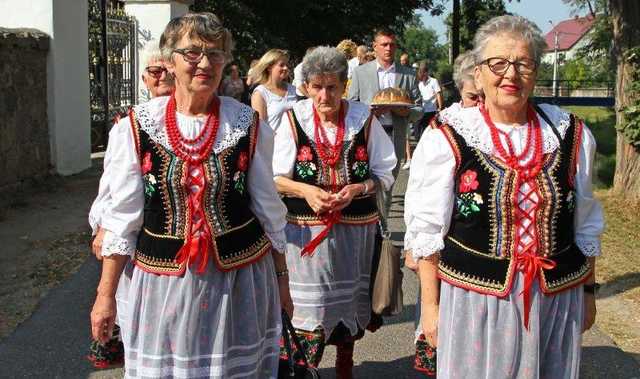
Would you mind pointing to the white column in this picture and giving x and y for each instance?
(66, 21)
(153, 16)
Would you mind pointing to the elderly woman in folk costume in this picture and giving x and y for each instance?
(463, 76)
(194, 232)
(159, 83)
(327, 153)
(499, 206)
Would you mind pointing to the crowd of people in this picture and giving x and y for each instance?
(228, 204)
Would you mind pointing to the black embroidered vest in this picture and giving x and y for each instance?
(353, 167)
(480, 243)
(238, 237)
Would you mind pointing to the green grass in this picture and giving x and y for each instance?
(601, 121)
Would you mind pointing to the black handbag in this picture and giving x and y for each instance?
(290, 368)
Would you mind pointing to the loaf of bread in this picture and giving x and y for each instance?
(391, 96)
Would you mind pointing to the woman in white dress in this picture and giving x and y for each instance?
(499, 207)
(274, 95)
(194, 231)
(327, 153)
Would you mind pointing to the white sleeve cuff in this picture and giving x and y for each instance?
(278, 241)
(590, 247)
(112, 244)
(422, 245)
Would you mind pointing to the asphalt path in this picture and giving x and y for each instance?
(53, 342)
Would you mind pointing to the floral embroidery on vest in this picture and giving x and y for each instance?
(148, 178)
(361, 165)
(468, 202)
(239, 178)
(304, 166)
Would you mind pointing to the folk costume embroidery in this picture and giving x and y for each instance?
(331, 167)
(521, 208)
(189, 192)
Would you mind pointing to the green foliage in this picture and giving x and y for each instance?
(421, 44)
(474, 13)
(602, 124)
(595, 69)
(296, 25)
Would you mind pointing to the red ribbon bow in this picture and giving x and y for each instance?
(530, 266)
(329, 219)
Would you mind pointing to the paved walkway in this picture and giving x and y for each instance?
(53, 342)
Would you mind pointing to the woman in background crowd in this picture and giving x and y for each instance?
(233, 85)
(274, 95)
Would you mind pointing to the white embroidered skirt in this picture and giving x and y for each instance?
(482, 336)
(332, 285)
(214, 325)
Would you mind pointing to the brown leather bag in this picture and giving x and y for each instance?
(387, 288)
(386, 297)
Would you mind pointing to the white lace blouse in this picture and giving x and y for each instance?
(119, 209)
(382, 158)
(429, 199)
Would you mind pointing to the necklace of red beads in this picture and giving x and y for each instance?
(194, 151)
(328, 152)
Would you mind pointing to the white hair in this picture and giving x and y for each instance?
(512, 25)
(150, 54)
(324, 60)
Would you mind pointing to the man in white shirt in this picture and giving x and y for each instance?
(431, 94)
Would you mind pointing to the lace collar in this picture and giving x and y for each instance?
(355, 119)
(235, 120)
(469, 123)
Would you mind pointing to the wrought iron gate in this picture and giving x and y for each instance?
(112, 66)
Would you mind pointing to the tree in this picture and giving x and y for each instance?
(472, 14)
(296, 25)
(421, 44)
(625, 17)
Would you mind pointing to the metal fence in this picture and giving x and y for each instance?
(575, 88)
(112, 65)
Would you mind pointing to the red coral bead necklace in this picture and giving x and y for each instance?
(185, 148)
(329, 153)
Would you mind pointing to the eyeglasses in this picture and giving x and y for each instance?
(155, 71)
(499, 66)
(194, 55)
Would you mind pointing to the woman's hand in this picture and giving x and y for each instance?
(346, 195)
(96, 245)
(429, 314)
(319, 200)
(103, 317)
(285, 296)
(589, 311)
(409, 262)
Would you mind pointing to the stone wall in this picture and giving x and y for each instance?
(24, 134)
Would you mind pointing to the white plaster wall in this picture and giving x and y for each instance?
(66, 21)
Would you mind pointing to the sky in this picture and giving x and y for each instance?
(538, 11)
